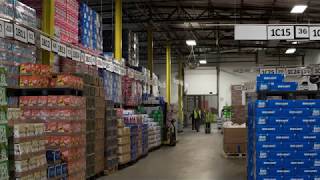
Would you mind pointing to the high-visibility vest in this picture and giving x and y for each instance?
(195, 114)
(210, 118)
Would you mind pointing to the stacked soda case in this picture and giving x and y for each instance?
(99, 127)
(4, 164)
(139, 139)
(64, 120)
(12, 51)
(154, 133)
(90, 94)
(144, 131)
(90, 28)
(116, 88)
(124, 144)
(111, 137)
(112, 86)
(283, 136)
(129, 91)
(134, 131)
(57, 169)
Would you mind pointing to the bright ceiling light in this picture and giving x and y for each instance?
(295, 42)
(203, 61)
(191, 42)
(298, 9)
(291, 51)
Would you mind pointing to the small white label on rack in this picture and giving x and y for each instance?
(8, 29)
(31, 38)
(293, 71)
(2, 29)
(99, 63)
(45, 43)
(94, 60)
(87, 59)
(109, 66)
(82, 57)
(306, 72)
(76, 54)
(20, 33)
(69, 52)
(314, 33)
(302, 31)
(54, 46)
(316, 71)
(62, 50)
(281, 70)
(268, 71)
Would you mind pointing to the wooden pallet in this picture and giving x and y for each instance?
(110, 171)
(234, 155)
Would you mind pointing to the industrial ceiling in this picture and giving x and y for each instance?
(209, 22)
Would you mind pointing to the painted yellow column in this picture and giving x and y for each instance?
(118, 30)
(150, 54)
(168, 73)
(48, 7)
(180, 92)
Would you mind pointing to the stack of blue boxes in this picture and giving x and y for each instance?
(274, 82)
(284, 139)
(90, 28)
(56, 169)
(134, 141)
(145, 147)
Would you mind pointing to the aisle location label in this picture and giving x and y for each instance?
(315, 33)
(76, 54)
(62, 50)
(8, 29)
(31, 37)
(82, 57)
(45, 43)
(69, 52)
(276, 32)
(280, 32)
(293, 72)
(54, 46)
(2, 29)
(302, 32)
(20, 33)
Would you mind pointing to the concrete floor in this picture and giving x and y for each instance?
(197, 156)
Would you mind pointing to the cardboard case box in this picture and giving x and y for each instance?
(234, 135)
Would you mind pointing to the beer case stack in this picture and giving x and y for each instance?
(90, 94)
(144, 131)
(111, 138)
(134, 141)
(100, 108)
(124, 144)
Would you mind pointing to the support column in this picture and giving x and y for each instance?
(180, 93)
(118, 30)
(150, 54)
(48, 7)
(168, 73)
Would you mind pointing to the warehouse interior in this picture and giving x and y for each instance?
(159, 89)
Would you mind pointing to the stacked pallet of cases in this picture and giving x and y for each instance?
(4, 165)
(284, 133)
(111, 138)
(144, 129)
(124, 145)
(134, 141)
(100, 108)
(90, 94)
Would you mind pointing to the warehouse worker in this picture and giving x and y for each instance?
(210, 118)
(196, 118)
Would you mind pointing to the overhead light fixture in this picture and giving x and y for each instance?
(298, 9)
(291, 51)
(191, 42)
(203, 61)
(295, 42)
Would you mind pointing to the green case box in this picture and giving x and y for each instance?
(3, 134)
(4, 170)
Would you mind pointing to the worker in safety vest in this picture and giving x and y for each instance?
(196, 118)
(210, 118)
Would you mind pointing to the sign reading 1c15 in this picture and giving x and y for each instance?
(280, 32)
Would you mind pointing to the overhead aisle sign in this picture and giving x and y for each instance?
(276, 32)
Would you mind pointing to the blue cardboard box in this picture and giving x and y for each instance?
(289, 112)
(309, 103)
(263, 86)
(268, 129)
(58, 170)
(267, 112)
(270, 78)
(51, 172)
(260, 121)
(269, 146)
(64, 167)
(284, 86)
(307, 120)
(275, 138)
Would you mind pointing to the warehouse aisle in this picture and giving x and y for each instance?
(196, 157)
